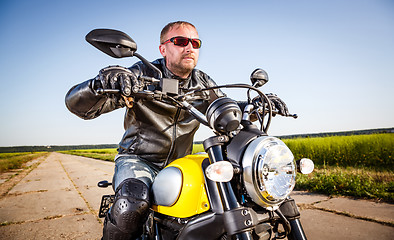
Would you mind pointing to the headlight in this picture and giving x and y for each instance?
(269, 171)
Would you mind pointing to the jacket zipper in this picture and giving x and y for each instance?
(172, 148)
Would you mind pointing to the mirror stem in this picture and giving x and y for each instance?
(149, 64)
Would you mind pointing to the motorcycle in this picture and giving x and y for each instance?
(239, 187)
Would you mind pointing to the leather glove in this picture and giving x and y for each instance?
(117, 77)
(278, 104)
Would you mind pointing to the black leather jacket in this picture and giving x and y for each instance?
(155, 131)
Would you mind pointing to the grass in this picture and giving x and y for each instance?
(358, 165)
(198, 148)
(373, 151)
(110, 153)
(102, 154)
(355, 182)
(10, 161)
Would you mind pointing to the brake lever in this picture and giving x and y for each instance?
(129, 101)
(109, 91)
(149, 79)
(276, 112)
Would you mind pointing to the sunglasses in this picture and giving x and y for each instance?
(184, 41)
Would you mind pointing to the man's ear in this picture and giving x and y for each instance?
(162, 50)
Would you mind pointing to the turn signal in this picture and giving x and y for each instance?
(221, 171)
(305, 166)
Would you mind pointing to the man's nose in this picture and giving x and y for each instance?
(189, 47)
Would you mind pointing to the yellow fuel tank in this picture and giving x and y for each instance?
(192, 198)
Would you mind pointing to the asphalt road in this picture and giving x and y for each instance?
(59, 199)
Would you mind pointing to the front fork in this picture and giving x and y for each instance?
(297, 232)
(232, 209)
(290, 211)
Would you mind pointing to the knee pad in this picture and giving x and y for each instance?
(131, 205)
(111, 232)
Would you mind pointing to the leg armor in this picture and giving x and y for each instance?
(129, 210)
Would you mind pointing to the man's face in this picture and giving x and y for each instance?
(180, 60)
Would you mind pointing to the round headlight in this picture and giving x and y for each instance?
(269, 171)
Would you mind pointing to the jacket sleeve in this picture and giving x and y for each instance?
(209, 82)
(84, 102)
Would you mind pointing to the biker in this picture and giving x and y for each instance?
(156, 133)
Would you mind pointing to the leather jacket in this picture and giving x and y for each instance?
(154, 131)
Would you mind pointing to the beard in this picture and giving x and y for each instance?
(182, 68)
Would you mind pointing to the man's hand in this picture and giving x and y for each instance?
(278, 104)
(117, 77)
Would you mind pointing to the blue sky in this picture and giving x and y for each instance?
(330, 61)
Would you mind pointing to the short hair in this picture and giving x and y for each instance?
(171, 25)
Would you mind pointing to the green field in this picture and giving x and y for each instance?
(10, 161)
(107, 154)
(357, 165)
(349, 181)
(373, 151)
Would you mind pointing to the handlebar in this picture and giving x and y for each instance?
(188, 106)
(180, 100)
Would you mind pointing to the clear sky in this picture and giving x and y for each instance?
(331, 61)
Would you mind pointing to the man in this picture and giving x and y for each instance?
(156, 133)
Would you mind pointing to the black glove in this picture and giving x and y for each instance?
(117, 77)
(278, 104)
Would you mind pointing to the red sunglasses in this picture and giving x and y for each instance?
(184, 41)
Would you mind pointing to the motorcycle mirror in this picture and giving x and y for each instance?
(259, 77)
(115, 43)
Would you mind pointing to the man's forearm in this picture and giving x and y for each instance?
(84, 102)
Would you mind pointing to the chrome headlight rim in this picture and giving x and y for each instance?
(255, 161)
